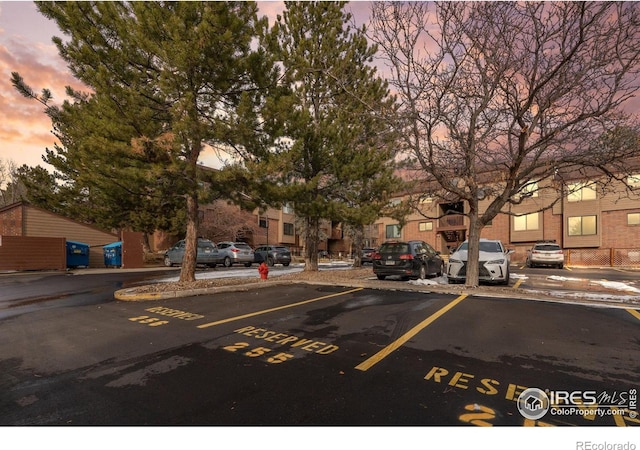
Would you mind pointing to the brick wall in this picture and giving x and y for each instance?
(616, 233)
(32, 253)
(11, 221)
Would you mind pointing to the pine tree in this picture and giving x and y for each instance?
(166, 78)
(332, 161)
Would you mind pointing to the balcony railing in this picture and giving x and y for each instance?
(451, 221)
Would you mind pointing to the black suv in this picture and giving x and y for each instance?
(410, 259)
(272, 254)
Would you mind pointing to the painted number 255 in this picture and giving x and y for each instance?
(258, 351)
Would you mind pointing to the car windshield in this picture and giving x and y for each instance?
(490, 247)
(282, 249)
(547, 248)
(396, 247)
(243, 246)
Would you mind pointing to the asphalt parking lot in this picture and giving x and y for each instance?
(306, 355)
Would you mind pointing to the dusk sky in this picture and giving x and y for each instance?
(26, 48)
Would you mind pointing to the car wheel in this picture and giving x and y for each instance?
(561, 266)
(167, 262)
(441, 271)
(422, 273)
(506, 279)
(227, 262)
(270, 262)
(248, 264)
(381, 277)
(285, 264)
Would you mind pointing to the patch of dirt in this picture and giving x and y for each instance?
(327, 276)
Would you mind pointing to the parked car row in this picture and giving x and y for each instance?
(417, 259)
(407, 259)
(229, 253)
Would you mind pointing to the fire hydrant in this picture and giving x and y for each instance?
(264, 270)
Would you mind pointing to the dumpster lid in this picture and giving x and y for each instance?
(81, 244)
(113, 244)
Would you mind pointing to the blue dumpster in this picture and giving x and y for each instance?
(77, 254)
(113, 254)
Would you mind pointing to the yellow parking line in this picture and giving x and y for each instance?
(634, 313)
(518, 283)
(265, 311)
(375, 359)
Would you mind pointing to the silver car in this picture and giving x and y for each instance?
(235, 253)
(494, 262)
(207, 253)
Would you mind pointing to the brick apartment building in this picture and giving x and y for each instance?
(595, 224)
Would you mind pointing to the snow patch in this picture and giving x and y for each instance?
(429, 281)
(617, 285)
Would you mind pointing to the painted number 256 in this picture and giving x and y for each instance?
(258, 351)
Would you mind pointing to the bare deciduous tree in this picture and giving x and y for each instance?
(227, 222)
(520, 90)
(11, 189)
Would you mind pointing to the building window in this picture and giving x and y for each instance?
(633, 219)
(425, 226)
(579, 192)
(263, 222)
(582, 226)
(287, 229)
(426, 200)
(526, 222)
(634, 180)
(287, 209)
(393, 231)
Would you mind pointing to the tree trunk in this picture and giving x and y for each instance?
(474, 248)
(358, 239)
(188, 271)
(311, 244)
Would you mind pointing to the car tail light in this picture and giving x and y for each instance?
(407, 256)
(235, 250)
(376, 255)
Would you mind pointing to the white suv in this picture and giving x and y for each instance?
(493, 264)
(546, 253)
